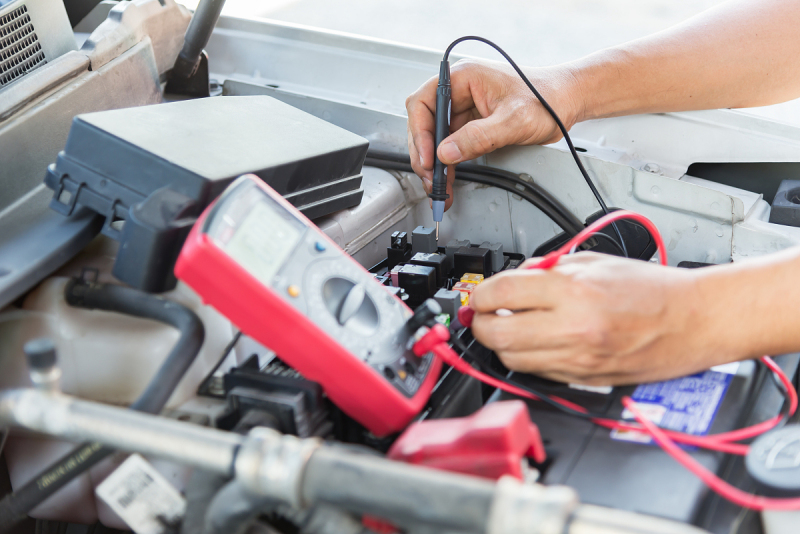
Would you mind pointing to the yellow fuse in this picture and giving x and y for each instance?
(472, 278)
(464, 298)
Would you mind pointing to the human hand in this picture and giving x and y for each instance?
(491, 108)
(599, 320)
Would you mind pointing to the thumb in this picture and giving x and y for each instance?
(474, 139)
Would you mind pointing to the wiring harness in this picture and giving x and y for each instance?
(437, 337)
(505, 180)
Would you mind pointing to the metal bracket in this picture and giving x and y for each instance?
(195, 85)
(272, 464)
(65, 185)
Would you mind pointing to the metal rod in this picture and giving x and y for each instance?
(75, 420)
(405, 494)
(304, 472)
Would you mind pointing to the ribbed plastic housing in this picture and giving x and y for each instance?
(20, 50)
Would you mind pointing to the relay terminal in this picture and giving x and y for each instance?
(263, 265)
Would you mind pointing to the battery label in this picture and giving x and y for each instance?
(687, 404)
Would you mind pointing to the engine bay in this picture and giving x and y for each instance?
(268, 325)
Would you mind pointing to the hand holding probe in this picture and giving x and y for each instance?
(438, 194)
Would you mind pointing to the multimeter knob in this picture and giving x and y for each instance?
(350, 304)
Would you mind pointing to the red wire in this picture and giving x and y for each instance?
(449, 356)
(719, 486)
(551, 259)
(723, 442)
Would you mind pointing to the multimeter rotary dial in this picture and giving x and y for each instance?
(349, 303)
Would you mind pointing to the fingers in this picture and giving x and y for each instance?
(421, 140)
(522, 331)
(424, 174)
(519, 290)
(476, 138)
(548, 345)
(541, 363)
(560, 365)
(421, 107)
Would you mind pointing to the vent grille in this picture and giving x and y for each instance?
(20, 50)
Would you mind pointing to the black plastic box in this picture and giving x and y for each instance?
(418, 281)
(152, 170)
(472, 260)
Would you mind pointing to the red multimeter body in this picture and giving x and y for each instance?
(277, 277)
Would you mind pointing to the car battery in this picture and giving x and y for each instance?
(151, 170)
(626, 470)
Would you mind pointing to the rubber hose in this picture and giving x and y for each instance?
(197, 35)
(204, 486)
(508, 181)
(79, 293)
(233, 509)
(322, 520)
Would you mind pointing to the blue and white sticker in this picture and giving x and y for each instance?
(687, 404)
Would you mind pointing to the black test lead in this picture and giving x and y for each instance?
(438, 193)
(439, 187)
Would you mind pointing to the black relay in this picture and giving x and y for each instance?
(399, 250)
(472, 260)
(435, 260)
(418, 281)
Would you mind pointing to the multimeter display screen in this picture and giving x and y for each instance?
(263, 242)
(256, 232)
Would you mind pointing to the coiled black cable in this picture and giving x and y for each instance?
(89, 295)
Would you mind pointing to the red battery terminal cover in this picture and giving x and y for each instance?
(490, 443)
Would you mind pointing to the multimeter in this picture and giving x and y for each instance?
(276, 276)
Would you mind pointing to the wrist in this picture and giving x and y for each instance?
(716, 335)
(738, 309)
(575, 82)
(603, 84)
(559, 87)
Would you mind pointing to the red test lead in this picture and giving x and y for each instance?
(436, 341)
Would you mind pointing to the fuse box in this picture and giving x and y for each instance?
(151, 170)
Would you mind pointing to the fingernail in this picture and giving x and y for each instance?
(421, 160)
(427, 183)
(449, 152)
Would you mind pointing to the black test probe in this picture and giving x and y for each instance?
(439, 186)
(438, 193)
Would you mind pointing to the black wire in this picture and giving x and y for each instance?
(85, 293)
(784, 413)
(204, 386)
(486, 369)
(505, 180)
(500, 183)
(609, 239)
(556, 118)
(544, 201)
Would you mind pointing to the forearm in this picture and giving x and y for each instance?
(751, 308)
(739, 54)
